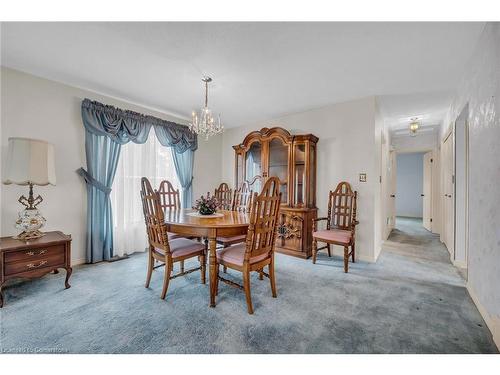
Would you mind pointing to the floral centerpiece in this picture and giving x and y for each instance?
(206, 206)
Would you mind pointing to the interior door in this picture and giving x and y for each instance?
(448, 195)
(391, 209)
(427, 191)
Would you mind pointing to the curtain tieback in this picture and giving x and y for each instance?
(92, 181)
(185, 187)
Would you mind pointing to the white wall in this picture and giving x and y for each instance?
(346, 148)
(409, 184)
(480, 88)
(421, 142)
(39, 108)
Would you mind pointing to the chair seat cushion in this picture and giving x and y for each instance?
(173, 236)
(334, 235)
(232, 239)
(236, 255)
(182, 247)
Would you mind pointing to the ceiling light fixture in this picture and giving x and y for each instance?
(414, 125)
(203, 122)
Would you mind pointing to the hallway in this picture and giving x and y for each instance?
(417, 259)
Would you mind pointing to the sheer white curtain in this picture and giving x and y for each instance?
(151, 160)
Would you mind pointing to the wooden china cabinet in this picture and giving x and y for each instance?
(291, 158)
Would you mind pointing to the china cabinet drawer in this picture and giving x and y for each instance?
(33, 254)
(34, 264)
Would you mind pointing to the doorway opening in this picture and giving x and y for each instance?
(414, 187)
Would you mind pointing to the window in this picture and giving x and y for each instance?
(151, 160)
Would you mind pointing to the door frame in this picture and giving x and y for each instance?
(463, 112)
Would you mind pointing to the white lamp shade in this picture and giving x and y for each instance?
(30, 161)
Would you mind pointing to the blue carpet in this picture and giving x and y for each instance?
(411, 301)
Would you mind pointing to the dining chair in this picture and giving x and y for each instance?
(242, 198)
(340, 223)
(160, 247)
(224, 195)
(170, 199)
(240, 203)
(258, 250)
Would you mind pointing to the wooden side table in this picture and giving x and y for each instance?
(34, 258)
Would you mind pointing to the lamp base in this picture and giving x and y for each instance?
(26, 236)
(30, 221)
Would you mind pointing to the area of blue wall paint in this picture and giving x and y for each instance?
(409, 184)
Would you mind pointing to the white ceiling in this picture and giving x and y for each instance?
(260, 70)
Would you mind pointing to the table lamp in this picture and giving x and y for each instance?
(30, 162)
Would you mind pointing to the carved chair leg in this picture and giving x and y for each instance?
(224, 269)
(150, 269)
(346, 259)
(166, 280)
(329, 250)
(182, 265)
(1, 296)
(353, 251)
(246, 285)
(314, 249)
(261, 274)
(203, 264)
(272, 279)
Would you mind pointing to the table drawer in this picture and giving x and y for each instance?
(34, 264)
(32, 255)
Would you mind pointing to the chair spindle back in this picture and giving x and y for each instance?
(170, 198)
(263, 220)
(224, 195)
(242, 199)
(342, 207)
(154, 217)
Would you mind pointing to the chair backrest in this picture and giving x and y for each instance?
(263, 220)
(170, 198)
(242, 198)
(342, 207)
(154, 217)
(224, 195)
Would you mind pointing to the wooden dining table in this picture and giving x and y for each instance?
(231, 223)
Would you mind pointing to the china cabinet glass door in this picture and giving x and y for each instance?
(253, 165)
(278, 165)
(299, 175)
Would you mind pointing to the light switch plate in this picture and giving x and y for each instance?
(362, 177)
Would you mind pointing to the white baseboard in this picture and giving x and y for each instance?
(337, 251)
(77, 262)
(458, 263)
(492, 322)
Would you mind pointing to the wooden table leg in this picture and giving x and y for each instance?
(212, 244)
(1, 296)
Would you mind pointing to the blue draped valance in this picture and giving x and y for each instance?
(123, 126)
